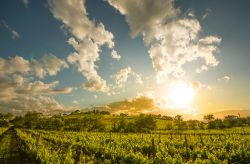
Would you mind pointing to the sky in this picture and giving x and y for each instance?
(186, 55)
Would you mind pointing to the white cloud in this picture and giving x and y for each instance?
(74, 15)
(138, 78)
(87, 52)
(23, 104)
(14, 34)
(115, 55)
(210, 40)
(53, 64)
(202, 68)
(18, 79)
(25, 2)
(7, 88)
(141, 14)
(48, 64)
(191, 13)
(173, 41)
(122, 76)
(40, 88)
(75, 102)
(177, 45)
(19, 94)
(225, 78)
(15, 64)
(15, 85)
(38, 69)
(87, 39)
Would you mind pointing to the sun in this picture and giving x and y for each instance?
(181, 94)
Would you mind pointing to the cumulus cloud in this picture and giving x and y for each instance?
(15, 86)
(115, 55)
(122, 76)
(173, 41)
(87, 39)
(138, 78)
(14, 34)
(133, 106)
(141, 14)
(75, 17)
(18, 79)
(201, 69)
(13, 65)
(38, 69)
(7, 89)
(87, 52)
(19, 94)
(225, 78)
(40, 88)
(48, 64)
(52, 64)
(23, 104)
(36, 87)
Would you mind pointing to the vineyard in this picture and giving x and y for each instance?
(40, 146)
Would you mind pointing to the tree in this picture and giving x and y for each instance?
(178, 118)
(31, 120)
(4, 123)
(75, 112)
(167, 118)
(98, 125)
(209, 117)
(8, 116)
(105, 112)
(122, 124)
(18, 121)
(231, 120)
(123, 114)
(193, 124)
(219, 124)
(182, 125)
(4, 119)
(169, 125)
(202, 125)
(145, 123)
(56, 123)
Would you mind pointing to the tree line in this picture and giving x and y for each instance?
(103, 121)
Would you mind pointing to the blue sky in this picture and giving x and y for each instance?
(33, 29)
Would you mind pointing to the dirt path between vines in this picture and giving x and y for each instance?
(9, 151)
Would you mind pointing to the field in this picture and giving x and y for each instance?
(191, 146)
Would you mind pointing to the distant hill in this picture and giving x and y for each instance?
(222, 114)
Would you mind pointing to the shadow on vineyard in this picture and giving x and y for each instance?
(10, 151)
